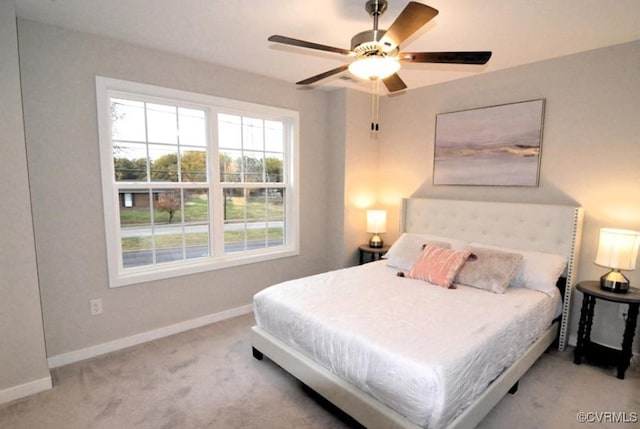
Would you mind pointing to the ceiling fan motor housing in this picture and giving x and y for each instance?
(367, 42)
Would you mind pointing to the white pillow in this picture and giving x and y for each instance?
(404, 253)
(539, 271)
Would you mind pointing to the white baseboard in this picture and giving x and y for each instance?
(119, 344)
(24, 390)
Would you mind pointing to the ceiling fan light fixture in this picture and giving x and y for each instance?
(375, 67)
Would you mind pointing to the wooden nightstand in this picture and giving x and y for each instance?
(596, 352)
(374, 252)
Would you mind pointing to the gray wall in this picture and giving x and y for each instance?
(590, 150)
(23, 364)
(354, 175)
(59, 69)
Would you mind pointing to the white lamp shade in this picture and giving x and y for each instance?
(376, 221)
(374, 67)
(618, 248)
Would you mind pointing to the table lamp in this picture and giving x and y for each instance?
(618, 250)
(376, 224)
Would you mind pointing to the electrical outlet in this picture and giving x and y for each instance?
(95, 306)
(622, 311)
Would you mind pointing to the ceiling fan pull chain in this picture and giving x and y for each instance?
(375, 100)
(373, 110)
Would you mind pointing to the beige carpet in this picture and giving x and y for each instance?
(207, 378)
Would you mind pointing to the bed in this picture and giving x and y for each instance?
(396, 352)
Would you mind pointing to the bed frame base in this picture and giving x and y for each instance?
(372, 413)
(256, 353)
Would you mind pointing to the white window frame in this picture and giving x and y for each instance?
(118, 275)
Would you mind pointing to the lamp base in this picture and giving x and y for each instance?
(375, 242)
(614, 281)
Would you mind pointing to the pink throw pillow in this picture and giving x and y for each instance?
(438, 265)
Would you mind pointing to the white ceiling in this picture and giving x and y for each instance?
(234, 32)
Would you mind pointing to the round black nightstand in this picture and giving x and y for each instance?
(598, 352)
(375, 252)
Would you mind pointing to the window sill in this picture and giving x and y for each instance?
(144, 275)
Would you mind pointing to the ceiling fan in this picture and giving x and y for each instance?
(377, 52)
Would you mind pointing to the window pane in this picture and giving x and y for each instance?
(127, 120)
(162, 123)
(168, 229)
(167, 204)
(138, 214)
(193, 128)
(230, 166)
(273, 168)
(196, 223)
(193, 165)
(229, 131)
(234, 220)
(164, 163)
(256, 205)
(130, 162)
(253, 166)
(135, 228)
(252, 134)
(234, 206)
(275, 216)
(274, 136)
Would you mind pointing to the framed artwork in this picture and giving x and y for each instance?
(490, 146)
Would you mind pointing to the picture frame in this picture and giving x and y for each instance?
(490, 146)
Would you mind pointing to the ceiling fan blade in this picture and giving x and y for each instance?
(324, 75)
(479, 57)
(304, 44)
(414, 16)
(394, 83)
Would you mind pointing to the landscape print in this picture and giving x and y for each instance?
(491, 146)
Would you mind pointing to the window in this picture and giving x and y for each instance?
(193, 182)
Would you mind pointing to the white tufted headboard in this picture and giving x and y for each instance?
(540, 227)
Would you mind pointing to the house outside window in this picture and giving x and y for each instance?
(128, 199)
(193, 182)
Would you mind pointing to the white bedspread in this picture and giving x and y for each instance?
(425, 351)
